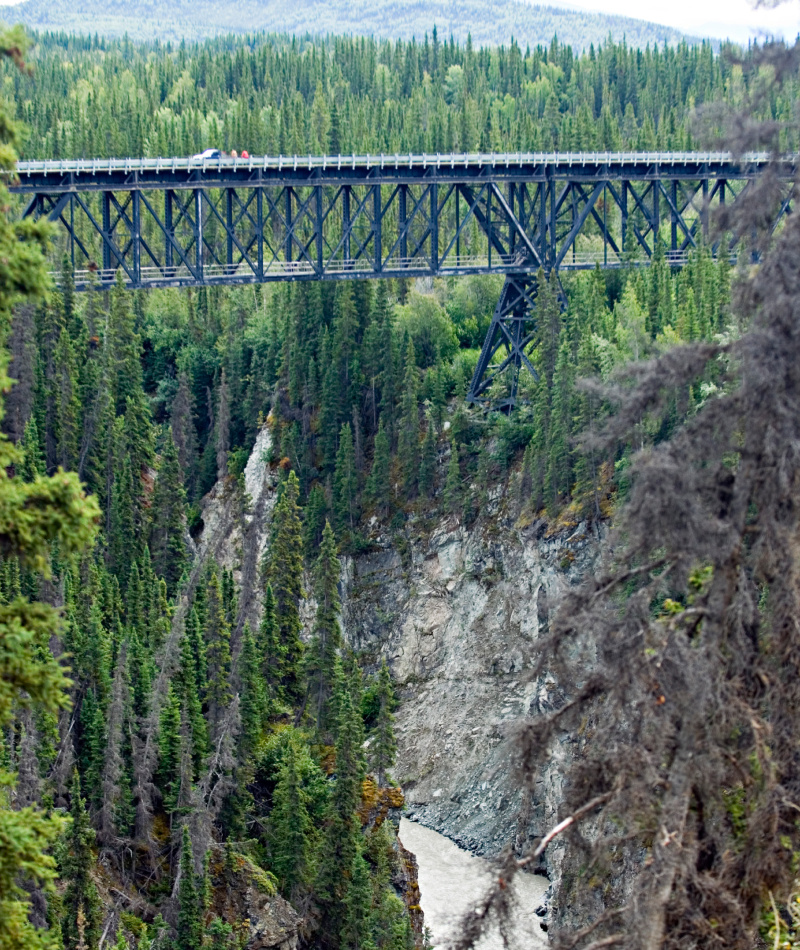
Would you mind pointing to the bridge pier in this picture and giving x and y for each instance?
(495, 382)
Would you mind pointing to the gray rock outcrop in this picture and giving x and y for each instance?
(457, 615)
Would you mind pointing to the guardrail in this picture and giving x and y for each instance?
(92, 166)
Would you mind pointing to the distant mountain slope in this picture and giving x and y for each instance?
(489, 21)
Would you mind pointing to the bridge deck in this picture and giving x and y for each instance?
(188, 172)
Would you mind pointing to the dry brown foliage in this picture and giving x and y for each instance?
(691, 753)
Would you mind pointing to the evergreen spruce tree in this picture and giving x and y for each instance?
(168, 518)
(357, 929)
(346, 338)
(558, 475)
(314, 518)
(586, 419)
(427, 465)
(99, 654)
(92, 748)
(341, 831)
(221, 936)
(408, 440)
(51, 327)
(327, 635)
(67, 403)
(379, 487)
(285, 574)
(190, 916)
(169, 751)
(137, 432)
(141, 674)
(383, 319)
(80, 896)
(290, 830)
(223, 434)
(539, 441)
(183, 433)
(330, 408)
(122, 540)
(32, 463)
(230, 601)
(218, 655)
(72, 321)
(125, 347)
(452, 487)
(346, 483)
(253, 706)
(193, 684)
(383, 748)
(269, 646)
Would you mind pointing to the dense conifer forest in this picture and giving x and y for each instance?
(189, 750)
(93, 98)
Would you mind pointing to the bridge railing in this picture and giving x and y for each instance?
(338, 162)
(289, 270)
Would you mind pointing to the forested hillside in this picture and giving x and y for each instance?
(276, 95)
(488, 23)
(200, 759)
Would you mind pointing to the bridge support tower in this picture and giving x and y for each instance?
(505, 352)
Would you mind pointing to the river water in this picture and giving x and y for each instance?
(451, 881)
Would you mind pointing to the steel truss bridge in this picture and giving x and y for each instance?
(194, 222)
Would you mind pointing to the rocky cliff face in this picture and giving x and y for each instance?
(456, 613)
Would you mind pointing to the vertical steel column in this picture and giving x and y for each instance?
(137, 237)
(552, 249)
(435, 227)
(704, 211)
(377, 229)
(656, 210)
(198, 232)
(512, 232)
(674, 215)
(346, 223)
(574, 218)
(605, 229)
(401, 197)
(458, 224)
(106, 199)
(72, 230)
(287, 244)
(168, 229)
(624, 212)
(260, 231)
(543, 221)
(489, 223)
(229, 229)
(318, 226)
(715, 248)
